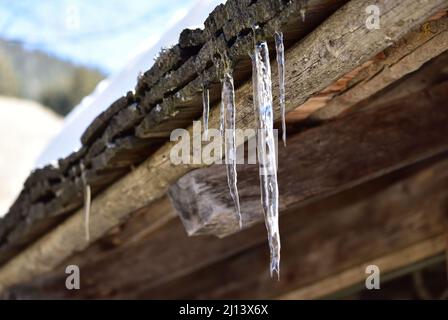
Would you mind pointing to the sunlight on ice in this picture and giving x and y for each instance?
(266, 150)
(228, 118)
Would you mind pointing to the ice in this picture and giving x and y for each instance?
(228, 118)
(266, 150)
(222, 119)
(206, 110)
(280, 49)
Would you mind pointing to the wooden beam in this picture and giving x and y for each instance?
(403, 58)
(313, 64)
(383, 224)
(430, 74)
(142, 226)
(320, 162)
(388, 213)
(357, 275)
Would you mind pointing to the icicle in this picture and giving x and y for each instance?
(303, 9)
(222, 119)
(281, 79)
(87, 203)
(302, 14)
(228, 109)
(206, 109)
(218, 64)
(254, 90)
(266, 151)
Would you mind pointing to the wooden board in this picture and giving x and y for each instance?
(320, 161)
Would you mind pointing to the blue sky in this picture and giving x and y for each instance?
(99, 33)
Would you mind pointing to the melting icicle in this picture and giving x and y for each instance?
(217, 62)
(228, 113)
(281, 79)
(303, 7)
(302, 14)
(266, 150)
(87, 203)
(221, 66)
(206, 109)
(222, 119)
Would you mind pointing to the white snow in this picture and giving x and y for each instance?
(206, 110)
(25, 128)
(280, 49)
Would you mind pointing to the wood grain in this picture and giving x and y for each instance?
(321, 161)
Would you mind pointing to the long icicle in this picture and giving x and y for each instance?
(222, 115)
(228, 105)
(87, 203)
(266, 150)
(206, 109)
(280, 49)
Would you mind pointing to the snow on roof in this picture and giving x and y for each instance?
(25, 127)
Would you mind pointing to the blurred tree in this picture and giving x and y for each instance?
(83, 82)
(9, 85)
(57, 100)
(63, 99)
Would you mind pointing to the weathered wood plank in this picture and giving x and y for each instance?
(385, 215)
(430, 74)
(403, 57)
(328, 241)
(179, 109)
(99, 124)
(406, 56)
(357, 275)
